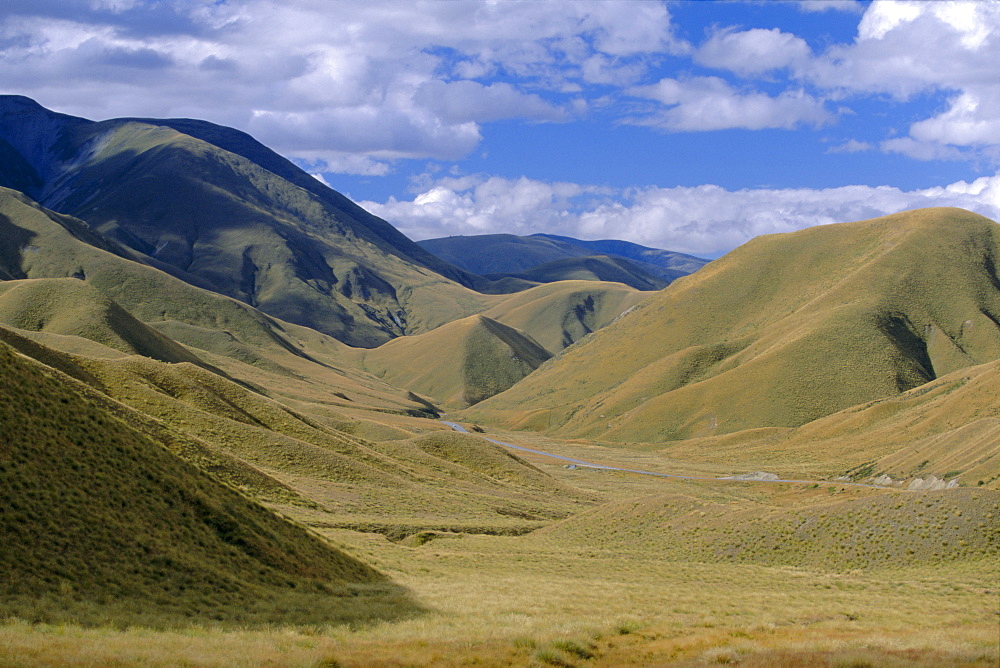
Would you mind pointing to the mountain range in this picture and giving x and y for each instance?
(199, 341)
(545, 258)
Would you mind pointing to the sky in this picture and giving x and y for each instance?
(692, 126)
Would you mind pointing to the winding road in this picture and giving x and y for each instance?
(602, 467)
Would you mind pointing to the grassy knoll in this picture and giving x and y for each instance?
(782, 331)
(102, 525)
(460, 363)
(560, 314)
(948, 428)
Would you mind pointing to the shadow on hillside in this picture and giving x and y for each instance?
(355, 607)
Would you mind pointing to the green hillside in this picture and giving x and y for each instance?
(303, 254)
(460, 363)
(101, 524)
(782, 331)
(70, 307)
(560, 314)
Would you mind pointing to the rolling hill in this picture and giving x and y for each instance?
(560, 314)
(224, 212)
(102, 524)
(782, 331)
(461, 363)
(512, 255)
(468, 360)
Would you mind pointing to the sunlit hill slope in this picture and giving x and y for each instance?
(102, 524)
(782, 331)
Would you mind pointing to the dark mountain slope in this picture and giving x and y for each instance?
(591, 268)
(292, 248)
(369, 227)
(670, 261)
(508, 254)
(782, 331)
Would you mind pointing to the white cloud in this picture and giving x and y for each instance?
(908, 48)
(378, 78)
(709, 103)
(969, 121)
(704, 220)
(373, 130)
(753, 51)
(462, 101)
(481, 205)
(319, 163)
(971, 20)
(322, 179)
(851, 146)
(852, 6)
(919, 150)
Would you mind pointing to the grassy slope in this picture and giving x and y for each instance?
(560, 314)
(590, 268)
(782, 331)
(468, 360)
(948, 428)
(276, 431)
(308, 448)
(102, 524)
(38, 244)
(70, 307)
(460, 363)
(821, 531)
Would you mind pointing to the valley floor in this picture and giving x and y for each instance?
(586, 592)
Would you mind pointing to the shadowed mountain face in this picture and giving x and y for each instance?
(224, 212)
(782, 331)
(590, 268)
(544, 258)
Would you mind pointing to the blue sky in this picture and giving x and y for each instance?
(689, 125)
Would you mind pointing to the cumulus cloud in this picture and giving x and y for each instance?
(379, 79)
(462, 101)
(710, 103)
(704, 220)
(908, 48)
(753, 51)
(851, 146)
(481, 205)
(852, 6)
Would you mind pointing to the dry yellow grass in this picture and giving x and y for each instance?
(502, 601)
(782, 331)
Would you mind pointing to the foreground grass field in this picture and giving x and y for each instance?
(564, 596)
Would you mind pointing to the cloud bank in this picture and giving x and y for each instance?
(383, 80)
(705, 220)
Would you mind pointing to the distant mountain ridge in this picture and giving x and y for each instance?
(547, 257)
